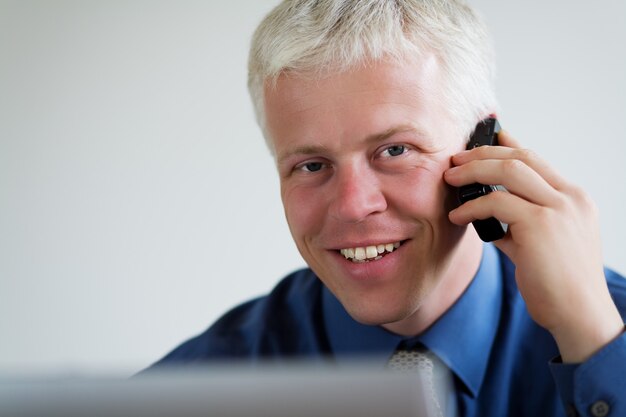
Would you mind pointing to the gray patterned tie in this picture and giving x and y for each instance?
(434, 376)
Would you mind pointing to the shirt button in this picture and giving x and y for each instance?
(600, 409)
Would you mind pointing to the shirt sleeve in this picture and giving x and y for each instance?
(596, 387)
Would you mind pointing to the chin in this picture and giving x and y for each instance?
(378, 314)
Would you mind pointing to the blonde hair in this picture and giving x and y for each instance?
(319, 37)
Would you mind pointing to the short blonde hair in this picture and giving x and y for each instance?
(319, 37)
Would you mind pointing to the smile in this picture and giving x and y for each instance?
(369, 253)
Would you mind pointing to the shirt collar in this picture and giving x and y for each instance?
(461, 338)
(473, 320)
(349, 339)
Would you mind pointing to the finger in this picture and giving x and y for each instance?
(517, 177)
(506, 207)
(528, 157)
(505, 139)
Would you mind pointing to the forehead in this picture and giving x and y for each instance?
(304, 109)
(297, 91)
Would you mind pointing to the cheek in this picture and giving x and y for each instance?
(303, 211)
(425, 194)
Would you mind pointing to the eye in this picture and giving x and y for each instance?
(394, 150)
(312, 166)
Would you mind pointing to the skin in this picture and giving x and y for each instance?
(554, 242)
(366, 157)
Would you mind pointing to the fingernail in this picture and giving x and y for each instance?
(451, 171)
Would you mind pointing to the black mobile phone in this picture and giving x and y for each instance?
(486, 133)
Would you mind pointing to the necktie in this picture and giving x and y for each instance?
(434, 376)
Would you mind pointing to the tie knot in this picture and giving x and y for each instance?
(433, 375)
(411, 361)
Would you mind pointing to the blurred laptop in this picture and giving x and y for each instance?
(300, 390)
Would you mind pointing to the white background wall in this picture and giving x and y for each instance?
(138, 201)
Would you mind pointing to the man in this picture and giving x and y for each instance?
(367, 107)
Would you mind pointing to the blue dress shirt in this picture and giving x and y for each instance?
(502, 362)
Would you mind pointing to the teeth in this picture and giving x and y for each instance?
(365, 254)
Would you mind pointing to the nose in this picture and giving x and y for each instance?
(357, 193)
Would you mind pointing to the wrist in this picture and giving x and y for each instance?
(579, 341)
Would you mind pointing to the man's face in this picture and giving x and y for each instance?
(361, 157)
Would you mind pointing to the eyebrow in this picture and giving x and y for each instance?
(380, 137)
(302, 150)
(370, 140)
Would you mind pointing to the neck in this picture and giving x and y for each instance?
(454, 279)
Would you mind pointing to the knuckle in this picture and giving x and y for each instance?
(585, 201)
(576, 200)
(579, 193)
(497, 198)
(525, 154)
(561, 202)
(543, 217)
(513, 167)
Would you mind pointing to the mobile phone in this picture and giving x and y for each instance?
(486, 133)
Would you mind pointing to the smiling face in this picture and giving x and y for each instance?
(361, 156)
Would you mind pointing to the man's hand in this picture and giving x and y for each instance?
(553, 240)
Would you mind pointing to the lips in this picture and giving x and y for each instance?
(369, 253)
